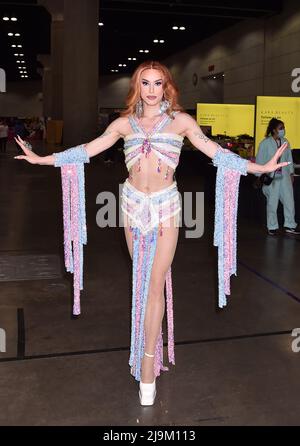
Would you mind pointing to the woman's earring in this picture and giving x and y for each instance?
(139, 108)
(164, 105)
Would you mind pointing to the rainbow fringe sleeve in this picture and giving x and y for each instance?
(71, 162)
(230, 168)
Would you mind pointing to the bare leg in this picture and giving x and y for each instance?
(165, 250)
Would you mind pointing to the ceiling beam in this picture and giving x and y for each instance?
(171, 4)
(188, 14)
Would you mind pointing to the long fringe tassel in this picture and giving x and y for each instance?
(74, 217)
(227, 188)
(144, 247)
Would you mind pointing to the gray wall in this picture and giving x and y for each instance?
(256, 56)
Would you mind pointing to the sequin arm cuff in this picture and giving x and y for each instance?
(230, 168)
(71, 162)
(230, 160)
(76, 155)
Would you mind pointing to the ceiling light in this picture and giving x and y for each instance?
(161, 41)
(146, 51)
(22, 75)
(134, 58)
(119, 65)
(21, 55)
(16, 54)
(182, 28)
(124, 65)
(19, 46)
(155, 41)
(14, 46)
(18, 61)
(174, 27)
(14, 19)
(17, 34)
(141, 51)
(101, 24)
(23, 61)
(5, 18)
(10, 34)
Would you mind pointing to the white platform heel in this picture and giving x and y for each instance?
(147, 391)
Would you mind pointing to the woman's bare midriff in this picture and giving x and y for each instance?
(148, 179)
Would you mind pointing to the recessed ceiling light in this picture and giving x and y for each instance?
(21, 54)
(174, 27)
(182, 28)
(5, 18)
(14, 46)
(14, 19)
(124, 65)
(18, 61)
(10, 34)
(155, 41)
(19, 46)
(141, 51)
(101, 24)
(17, 34)
(134, 58)
(119, 65)
(16, 54)
(146, 51)
(161, 41)
(129, 58)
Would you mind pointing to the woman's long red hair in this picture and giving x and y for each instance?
(170, 89)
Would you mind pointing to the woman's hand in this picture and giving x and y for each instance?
(29, 156)
(272, 165)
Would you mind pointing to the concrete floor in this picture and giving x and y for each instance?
(233, 367)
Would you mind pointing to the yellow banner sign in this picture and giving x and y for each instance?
(287, 109)
(227, 119)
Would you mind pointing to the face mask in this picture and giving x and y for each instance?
(281, 133)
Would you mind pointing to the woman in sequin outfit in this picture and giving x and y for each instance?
(153, 126)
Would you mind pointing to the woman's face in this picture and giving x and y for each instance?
(280, 130)
(151, 84)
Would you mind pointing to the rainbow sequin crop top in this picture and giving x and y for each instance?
(166, 146)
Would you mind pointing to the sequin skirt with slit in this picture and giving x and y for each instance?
(145, 215)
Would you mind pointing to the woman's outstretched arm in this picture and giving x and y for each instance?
(98, 145)
(194, 133)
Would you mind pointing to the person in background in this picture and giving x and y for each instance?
(20, 129)
(281, 187)
(3, 135)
